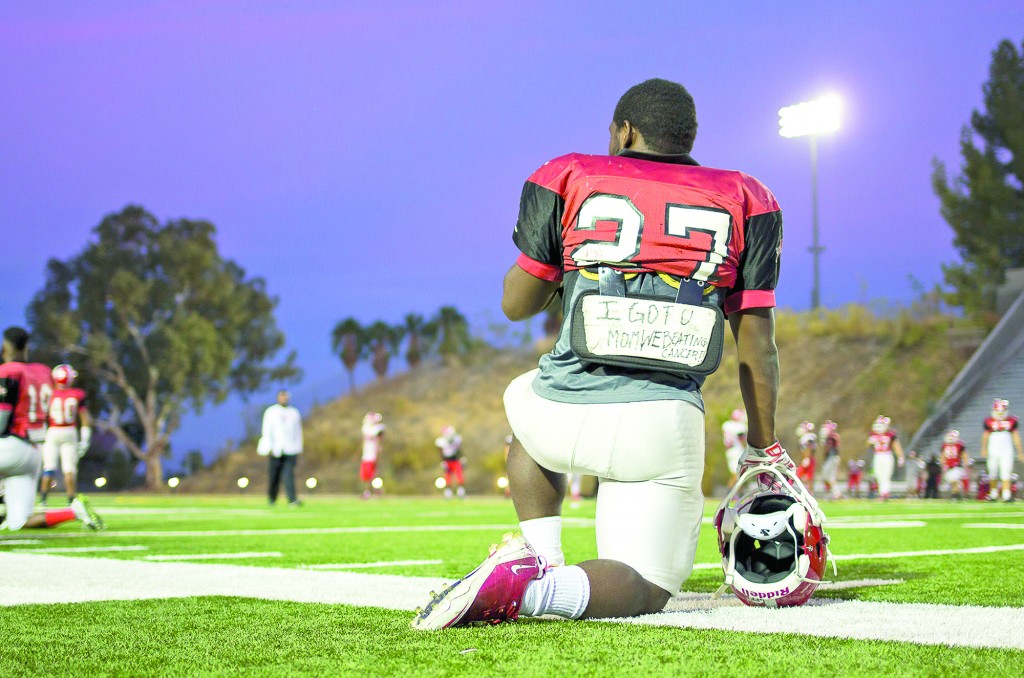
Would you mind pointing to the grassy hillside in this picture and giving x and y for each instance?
(847, 365)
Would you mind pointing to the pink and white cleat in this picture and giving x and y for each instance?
(491, 593)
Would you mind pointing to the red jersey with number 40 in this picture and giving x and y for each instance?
(653, 214)
(882, 442)
(952, 454)
(993, 425)
(25, 391)
(64, 406)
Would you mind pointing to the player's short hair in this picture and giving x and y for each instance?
(663, 112)
(17, 336)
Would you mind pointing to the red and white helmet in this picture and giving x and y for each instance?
(952, 436)
(804, 428)
(64, 375)
(373, 418)
(739, 415)
(881, 424)
(1000, 408)
(448, 432)
(829, 427)
(773, 544)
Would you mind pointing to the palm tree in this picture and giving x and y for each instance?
(383, 341)
(348, 341)
(413, 327)
(454, 330)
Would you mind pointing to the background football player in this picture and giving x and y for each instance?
(808, 447)
(734, 437)
(25, 390)
(954, 460)
(449, 443)
(64, 444)
(373, 442)
(884, 443)
(830, 467)
(998, 442)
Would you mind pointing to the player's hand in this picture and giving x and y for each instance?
(773, 455)
(82, 449)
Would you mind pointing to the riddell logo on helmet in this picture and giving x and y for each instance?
(765, 596)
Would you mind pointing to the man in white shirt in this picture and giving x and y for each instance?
(282, 442)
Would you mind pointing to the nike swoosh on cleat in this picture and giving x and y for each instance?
(517, 568)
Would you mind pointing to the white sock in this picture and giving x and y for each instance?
(1006, 495)
(545, 536)
(563, 591)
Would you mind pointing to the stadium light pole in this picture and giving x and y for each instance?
(812, 119)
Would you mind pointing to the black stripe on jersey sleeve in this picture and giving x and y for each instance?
(538, 232)
(759, 261)
(9, 391)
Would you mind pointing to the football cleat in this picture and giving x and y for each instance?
(85, 513)
(64, 375)
(492, 593)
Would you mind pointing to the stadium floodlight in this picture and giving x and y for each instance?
(502, 483)
(173, 482)
(377, 483)
(243, 483)
(812, 119)
(311, 483)
(100, 482)
(440, 483)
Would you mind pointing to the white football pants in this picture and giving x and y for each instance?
(884, 464)
(61, 445)
(649, 458)
(1000, 464)
(19, 468)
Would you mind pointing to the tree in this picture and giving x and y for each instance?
(348, 341)
(985, 204)
(384, 340)
(454, 331)
(161, 324)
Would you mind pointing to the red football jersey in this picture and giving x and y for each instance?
(653, 214)
(995, 425)
(25, 391)
(882, 442)
(64, 406)
(952, 454)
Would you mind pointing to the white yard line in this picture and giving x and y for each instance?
(287, 531)
(994, 526)
(42, 579)
(19, 542)
(83, 549)
(215, 556)
(366, 566)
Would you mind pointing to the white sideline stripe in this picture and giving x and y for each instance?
(360, 566)
(140, 511)
(950, 625)
(83, 549)
(19, 542)
(43, 579)
(215, 556)
(995, 526)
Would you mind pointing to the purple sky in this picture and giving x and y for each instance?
(366, 158)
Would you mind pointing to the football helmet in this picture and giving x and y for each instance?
(448, 432)
(373, 418)
(773, 543)
(804, 428)
(952, 436)
(1000, 408)
(64, 375)
(829, 426)
(881, 424)
(739, 415)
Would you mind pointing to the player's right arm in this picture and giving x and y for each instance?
(8, 401)
(526, 295)
(984, 444)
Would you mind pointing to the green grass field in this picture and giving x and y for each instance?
(432, 538)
